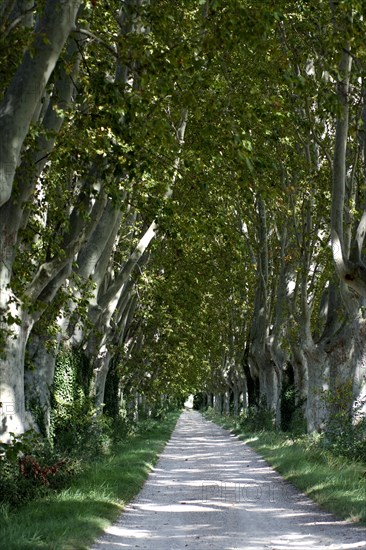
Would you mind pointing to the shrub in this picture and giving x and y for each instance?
(292, 405)
(82, 431)
(258, 417)
(199, 401)
(30, 467)
(121, 428)
(345, 432)
(292, 416)
(76, 426)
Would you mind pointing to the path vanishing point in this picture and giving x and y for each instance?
(211, 491)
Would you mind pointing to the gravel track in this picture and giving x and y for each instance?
(211, 491)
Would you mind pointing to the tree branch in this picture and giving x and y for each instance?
(88, 33)
(27, 86)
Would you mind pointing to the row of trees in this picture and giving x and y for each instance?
(182, 198)
(308, 144)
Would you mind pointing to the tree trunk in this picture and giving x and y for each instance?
(217, 400)
(318, 382)
(359, 382)
(270, 387)
(245, 402)
(236, 401)
(13, 417)
(226, 402)
(38, 379)
(100, 371)
(347, 362)
(27, 87)
(299, 365)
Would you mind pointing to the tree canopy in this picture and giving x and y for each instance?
(182, 190)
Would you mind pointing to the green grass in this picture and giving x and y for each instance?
(335, 483)
(73, 518)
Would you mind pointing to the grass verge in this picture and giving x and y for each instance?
(335, 483)
(73, 518)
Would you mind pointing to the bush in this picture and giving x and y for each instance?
(30, 467)
(297, 426)
(15, 489)
(292, 405)
(76, 426)
(121, 428)
(199, 401)
(82, 431)
(258, 417)
(345, 432)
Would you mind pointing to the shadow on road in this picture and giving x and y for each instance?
(210, 490)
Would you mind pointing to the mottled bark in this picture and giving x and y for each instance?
(12, 403)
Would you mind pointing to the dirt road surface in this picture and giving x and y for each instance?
(211, 491)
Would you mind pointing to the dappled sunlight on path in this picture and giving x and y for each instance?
(210, 490)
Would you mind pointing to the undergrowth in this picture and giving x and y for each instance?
(89, 499)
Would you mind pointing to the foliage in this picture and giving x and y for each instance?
(241, 208)
(292, 407)
(77, 427)
(90, 501)
(72, 413)
(112, 405)
(30, 468)
(258, 417)
(345, 433)
(199, 401)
